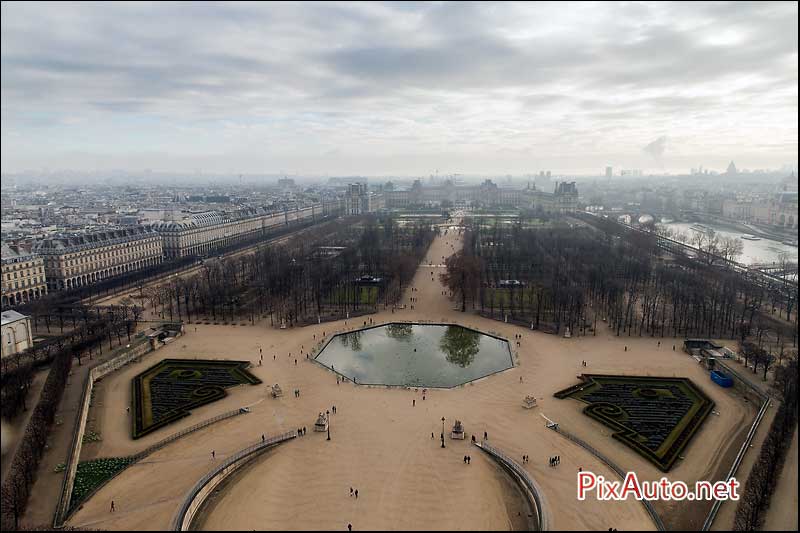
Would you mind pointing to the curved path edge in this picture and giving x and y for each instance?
(199, 492)
(531, 489)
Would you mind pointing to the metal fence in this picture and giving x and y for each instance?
(542, 519)
(583, 444)
(177, 524)
(712, 514)
(182, 433)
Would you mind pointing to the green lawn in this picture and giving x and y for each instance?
(502, 297)
(368, 295)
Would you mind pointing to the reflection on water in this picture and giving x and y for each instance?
(352, 340)
(460, 345)
(416, 355)
(400, 331)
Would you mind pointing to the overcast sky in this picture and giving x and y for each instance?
(398, 88)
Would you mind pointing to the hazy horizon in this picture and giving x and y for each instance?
(406, 89)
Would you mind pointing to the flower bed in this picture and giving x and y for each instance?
(91, 474)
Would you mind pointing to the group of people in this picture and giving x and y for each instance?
(296, 393)
(354, 492)
(301, 432)
(555, 460)
(467, 459)
(583, 363)
(524, 459)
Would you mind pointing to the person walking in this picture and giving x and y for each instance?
(413, 403)
(356, 494)
(349, 527)
(112, 506)
(263, 438)
(213, 454)
(351, 491)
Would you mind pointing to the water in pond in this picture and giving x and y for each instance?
(416, 355)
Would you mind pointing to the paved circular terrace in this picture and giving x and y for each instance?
(416, 355)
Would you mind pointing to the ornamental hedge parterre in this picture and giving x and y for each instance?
(655, 416)
(168, 390)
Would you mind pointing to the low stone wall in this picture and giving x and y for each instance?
(206, 485)
(140, 346)
(154, 448)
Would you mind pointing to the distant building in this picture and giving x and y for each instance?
(732, 171)
(778, 210)
(15, 331)
(609, 172)
(286, 183)
(80, 259)
(23, 276)
(202, 233)
(564, 199)
(360, 200)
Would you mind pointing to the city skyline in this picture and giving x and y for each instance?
(398, 89)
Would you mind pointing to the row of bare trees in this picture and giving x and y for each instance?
(20, 476)
(755, 498)
(571, 277)
(93, 326)
(304, 278)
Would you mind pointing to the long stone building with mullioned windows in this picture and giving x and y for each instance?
(23, 276)
(76, 260)
(202, 233)
(564, 198)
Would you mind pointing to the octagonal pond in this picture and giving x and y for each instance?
(416, 355)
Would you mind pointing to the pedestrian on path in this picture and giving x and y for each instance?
(213, 454)
(112, 506)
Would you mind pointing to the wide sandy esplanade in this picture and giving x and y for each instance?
(381, 444)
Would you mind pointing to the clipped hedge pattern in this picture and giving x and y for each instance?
(655, 416)
(167, 391)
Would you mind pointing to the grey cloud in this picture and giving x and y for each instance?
(430, 70)
(656, 148)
